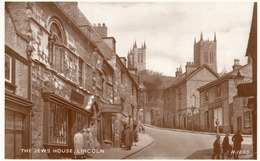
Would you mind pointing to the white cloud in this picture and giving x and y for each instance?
(169, 29)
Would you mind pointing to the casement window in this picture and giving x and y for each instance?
(58, 124)
(247, 119)
(8, 68)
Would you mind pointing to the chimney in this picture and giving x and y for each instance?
(190, 66)
(123, 60)
(101, 30)
(236, 64)
(178, 72)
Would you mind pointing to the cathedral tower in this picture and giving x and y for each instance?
(136, 57)
(205, 52)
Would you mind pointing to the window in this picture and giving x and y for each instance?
(139, 57)
(80, 72)
(58, 124)
(218, 91)
(206, 57)
(247, 119)
(14, 134)
(81, 122)
(211, 56)
(14, 121)
(8, 68)
(180, 103)
(207, 95)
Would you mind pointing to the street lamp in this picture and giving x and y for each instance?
(238, 78)
(192, 111)
(193, 107)
(217, 123)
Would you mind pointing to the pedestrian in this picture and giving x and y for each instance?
(123, 137)
(128, 138)
(216, 148)
(78, 145)
(226, 146)
(237, 139)
(136, 137)
(88, 142)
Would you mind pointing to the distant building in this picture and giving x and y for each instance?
(182, 96)
(219, 100)
(205, 52)
(136, 58)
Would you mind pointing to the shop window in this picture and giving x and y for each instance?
(58, 124)
(8, 68)
(81, 122)
(247, 119)
(14, 134)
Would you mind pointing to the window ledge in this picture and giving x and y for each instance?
(10, 85)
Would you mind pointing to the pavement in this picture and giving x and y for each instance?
(118, 153)
(145, 141)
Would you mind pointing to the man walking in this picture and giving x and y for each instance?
(216, 148)
(226, 146)
(237, 139)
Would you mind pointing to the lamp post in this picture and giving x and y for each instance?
(192, 111)
(193, 107)
(238, 79)
(217, 123)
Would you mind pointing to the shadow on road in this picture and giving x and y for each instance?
(201, 154)
(207, 153)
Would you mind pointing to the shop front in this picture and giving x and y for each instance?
(17, 126)
(61, 121)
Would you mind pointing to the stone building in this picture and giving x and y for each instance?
(181, 106)
(136, 58)
(60, 77)
(181, 98)
(218, 100)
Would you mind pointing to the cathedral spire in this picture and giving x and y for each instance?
(144, 45)
(135, 44)
(194, 40)
(201, 36)
(215, 38)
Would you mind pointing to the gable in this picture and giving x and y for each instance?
(203, 75)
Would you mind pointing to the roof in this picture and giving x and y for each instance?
(184, 77)
(80, 19)
(225, 77)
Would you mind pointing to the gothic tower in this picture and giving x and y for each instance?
(136, 57)
(205, 52)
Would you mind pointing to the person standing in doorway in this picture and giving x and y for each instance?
(123, 137)
(128, 138)
(216, 148)
(237, 139)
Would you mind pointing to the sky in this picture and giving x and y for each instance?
(169, 29)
